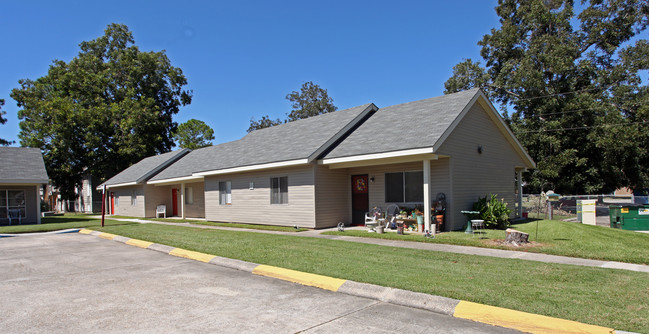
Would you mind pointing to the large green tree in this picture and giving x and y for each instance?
(3, 120)
(311, 100)
(107, 108)
(194, 134)
(571, 80)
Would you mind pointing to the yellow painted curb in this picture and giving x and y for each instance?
(526, 322)
(323, 282)
(107, 236)
(139, 243)
(191, 255)
(85, 231)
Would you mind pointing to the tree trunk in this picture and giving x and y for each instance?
(515, 237)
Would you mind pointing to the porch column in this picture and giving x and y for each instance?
(182, 200)
(519, 181)
(38, 203)
(427, 196)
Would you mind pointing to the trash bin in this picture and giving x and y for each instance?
(630, 217)
(399, 226)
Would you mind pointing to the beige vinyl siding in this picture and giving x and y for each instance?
(474, 175)
(157, 195)
(124, 208)
(253, 206)
(31, 200)
(197, 208)
(332, 196)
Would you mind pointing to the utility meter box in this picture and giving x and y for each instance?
(586, 211)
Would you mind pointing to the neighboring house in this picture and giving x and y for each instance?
(128, 193)
(88, 197)
(334, 167)
(22, 175)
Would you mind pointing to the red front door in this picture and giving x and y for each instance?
(360, 199)
(174, 202)
(112, 203)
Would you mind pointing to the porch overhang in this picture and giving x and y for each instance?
(271, 165)
(109, 186)
(374, 159)
(177, 180)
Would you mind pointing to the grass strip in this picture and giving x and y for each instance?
(56, 223)
(554, 237)
(254, 227)
(605, 297)
(234, 225)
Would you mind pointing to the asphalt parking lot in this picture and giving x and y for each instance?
(83, 284)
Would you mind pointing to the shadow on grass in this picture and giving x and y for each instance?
(63, 219)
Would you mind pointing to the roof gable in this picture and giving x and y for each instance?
(405, 126)
(301, 140)
(22, 165)
(146, 168)
(410, 128)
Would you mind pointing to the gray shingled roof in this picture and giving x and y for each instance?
(291, 141)
(146, 168)
(22, 165)
(405, 126)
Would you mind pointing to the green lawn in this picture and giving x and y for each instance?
(613, 298)
(554, 237)
(55, 223)
(234, 225)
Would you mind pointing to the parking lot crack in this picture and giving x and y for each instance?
(339, 317)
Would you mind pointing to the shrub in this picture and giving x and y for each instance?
(494, 212)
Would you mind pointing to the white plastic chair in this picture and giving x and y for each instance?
(161, 209)
(477, 224)
(15, 214)
(390, 214)
(372, 219)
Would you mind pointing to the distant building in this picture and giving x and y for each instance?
(22, 176)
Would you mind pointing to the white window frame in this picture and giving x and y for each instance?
(189, 195)
(279, 192)
(5, 205)
(133, 198)
(403, 185)
(225, 192)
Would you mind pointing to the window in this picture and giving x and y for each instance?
(133, 198)
(404, 187)
(225, 193)
(189, 195)
(12, 200)
(279, 190)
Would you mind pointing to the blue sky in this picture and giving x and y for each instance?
(241, 58)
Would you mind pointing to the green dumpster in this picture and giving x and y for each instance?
(630, 217)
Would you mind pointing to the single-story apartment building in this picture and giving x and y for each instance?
(334, 167)
(22, 175)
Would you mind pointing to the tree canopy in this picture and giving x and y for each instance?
(194, 134)
(572, 82)
(311, 100)
(107, 108)
(3, 120)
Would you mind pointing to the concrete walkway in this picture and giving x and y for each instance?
(478, 251)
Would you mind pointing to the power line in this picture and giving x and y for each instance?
(583, 127)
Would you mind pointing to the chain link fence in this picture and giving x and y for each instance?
(566, 208)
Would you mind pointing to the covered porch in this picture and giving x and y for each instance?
(409, 179)
(416, 179)
(183, 198)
